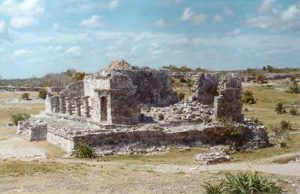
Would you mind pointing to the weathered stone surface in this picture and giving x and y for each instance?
(228, 104)
(153, 86)
(33, 130)
(193, 112)
(72, 131)
(206, 89)
(212, 158)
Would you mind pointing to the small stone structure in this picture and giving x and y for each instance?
(228, 104)
(124, 108)
(206, 89)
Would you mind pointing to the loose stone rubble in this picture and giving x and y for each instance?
(128, 109)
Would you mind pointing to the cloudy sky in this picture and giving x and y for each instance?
(42, 36)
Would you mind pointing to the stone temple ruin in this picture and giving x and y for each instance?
(124, 108)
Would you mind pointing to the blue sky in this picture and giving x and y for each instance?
(42, 36)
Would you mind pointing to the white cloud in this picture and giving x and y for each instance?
(92, 22)
(189, 15)
(4, 33)
(21, 21)
(20, 53)
(73, 51)
(271, 17)
(217, 18)
(199, 19)
(113, 4)
(227, 11)
(162, 23)
(23, 13)
(291, 13)
(234, 33)
(266, 6)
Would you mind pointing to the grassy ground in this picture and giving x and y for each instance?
(266, 103)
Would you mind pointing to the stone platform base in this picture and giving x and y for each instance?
(68, 133)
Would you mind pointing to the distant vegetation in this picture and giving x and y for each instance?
(49, 80)
(16, 118)
(184, 69)
(248, 97)
(42, 94)
(25, 96)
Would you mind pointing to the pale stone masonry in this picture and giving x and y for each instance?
(125, 108)
(206, 89)
(228, 104)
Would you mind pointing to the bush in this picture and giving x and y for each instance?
(16, 118)
(182, 80)
(42, 94)
(294, 88)
(181, 96)
(25, 96)
(243, 183)
(248, 97)
(285, 124)
(84, 151)
(279, 108)
(213, 189)
(293, 112)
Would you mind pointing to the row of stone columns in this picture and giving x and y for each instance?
(64, 105)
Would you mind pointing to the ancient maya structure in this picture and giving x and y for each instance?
(124, 108)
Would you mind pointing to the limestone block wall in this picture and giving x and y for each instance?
(75, 89)
(153, 86)
(33, 130)
(206, 89)
(228, 104)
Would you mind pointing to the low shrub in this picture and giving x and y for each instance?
(42, 94)
(280, 108)
(293, 112)
(213, 189)
(243, 183)
(83, 150)
(25, 96)
(285, 124)
(181, 96)
(182, 80)
(294, 88)
(16, 118)
(248, 97)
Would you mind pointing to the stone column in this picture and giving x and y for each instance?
(77, 106)
(56, 105)
(69, 106)
(49, 104)
(62, 103)
(86, 107)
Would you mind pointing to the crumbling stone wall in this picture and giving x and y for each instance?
(75, 89)
(33, 130)
(153, 86)
(206, 89)
(228, 104)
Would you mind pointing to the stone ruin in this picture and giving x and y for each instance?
(125, 108)
(206, 89)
